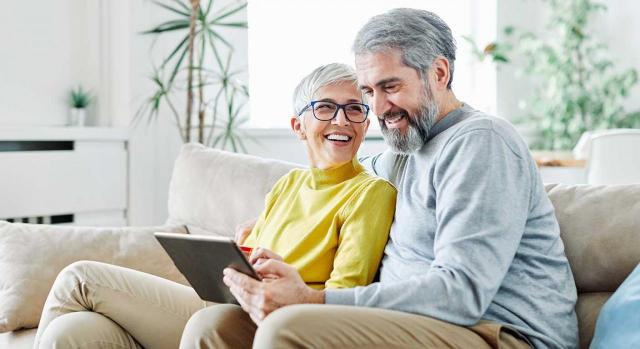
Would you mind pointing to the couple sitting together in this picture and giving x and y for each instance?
(455, 213)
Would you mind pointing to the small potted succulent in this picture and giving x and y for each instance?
(80, 100)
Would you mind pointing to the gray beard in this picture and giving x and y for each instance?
(418, 131)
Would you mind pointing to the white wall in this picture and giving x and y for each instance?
(46, 50)
(618, 27)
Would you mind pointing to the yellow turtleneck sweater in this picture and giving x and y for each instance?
(332, 225)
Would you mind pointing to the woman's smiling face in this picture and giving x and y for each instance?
(335, 142)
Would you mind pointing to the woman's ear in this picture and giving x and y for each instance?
(366, 125)
(298, 128)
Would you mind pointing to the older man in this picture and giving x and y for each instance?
(474, 259)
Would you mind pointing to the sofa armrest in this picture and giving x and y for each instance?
(31, 256)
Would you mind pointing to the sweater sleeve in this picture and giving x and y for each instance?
(483, 194)
(367, 218)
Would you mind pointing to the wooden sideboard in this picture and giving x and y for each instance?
(560, 167)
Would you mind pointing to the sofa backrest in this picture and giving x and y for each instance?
(212, 191)
(600, 228)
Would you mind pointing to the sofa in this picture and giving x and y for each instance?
(212, 191)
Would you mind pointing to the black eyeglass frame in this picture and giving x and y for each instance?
(339, 107)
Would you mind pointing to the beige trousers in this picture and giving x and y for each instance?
(97, 305)
(332, 326)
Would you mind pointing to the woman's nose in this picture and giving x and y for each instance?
(341, 118)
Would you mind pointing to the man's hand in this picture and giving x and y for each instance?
(260, 298)
(243, 230)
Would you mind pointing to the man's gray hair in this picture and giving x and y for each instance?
(421, 36)
(320, 77)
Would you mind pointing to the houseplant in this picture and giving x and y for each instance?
(80, 100)
(199, 67)
(577, 87)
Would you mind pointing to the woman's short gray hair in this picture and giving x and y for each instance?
(421, 36)
(320, 77)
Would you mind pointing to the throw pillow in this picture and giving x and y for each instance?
(31, 256)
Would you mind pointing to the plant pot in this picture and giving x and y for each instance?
(78, 117)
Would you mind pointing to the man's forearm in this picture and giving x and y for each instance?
(315, 297)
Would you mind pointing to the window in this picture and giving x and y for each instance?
(283, 33)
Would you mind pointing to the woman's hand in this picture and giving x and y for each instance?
(243, 230)
(259, 256)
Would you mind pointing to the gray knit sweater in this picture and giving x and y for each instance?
(475, 235)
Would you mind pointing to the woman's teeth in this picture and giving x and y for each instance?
(334, 137)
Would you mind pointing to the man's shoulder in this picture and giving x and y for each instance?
(491, 126)
(480, 121)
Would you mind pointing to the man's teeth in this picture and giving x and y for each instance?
(394, 118)
(334, 137)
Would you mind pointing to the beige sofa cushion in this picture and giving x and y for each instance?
(31, 256)
(587, 310)
(22, 339)
(212, 191)
(600, 227)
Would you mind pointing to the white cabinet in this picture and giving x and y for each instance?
(64, 175)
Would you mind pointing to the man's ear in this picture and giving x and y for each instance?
(440, 73)
(298, 128)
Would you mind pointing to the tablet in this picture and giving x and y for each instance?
(202, 258)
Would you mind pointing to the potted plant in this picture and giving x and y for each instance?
(80, 100)
(195, 63)
(577, 87)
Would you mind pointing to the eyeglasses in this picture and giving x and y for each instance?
(327, 111)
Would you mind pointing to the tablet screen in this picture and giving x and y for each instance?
(202, 259)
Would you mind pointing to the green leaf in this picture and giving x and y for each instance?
(178, 65)
(169, 26)
(215, 50)
(172, 9)
(233, 24)
(508, 30)
(500, 58)
(223, 40)
(228, 13)
(183, 5)
(173, 53)
(209, 7)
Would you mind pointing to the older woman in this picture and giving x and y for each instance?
(330, 221)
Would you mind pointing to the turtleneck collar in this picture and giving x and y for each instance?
(321, 178)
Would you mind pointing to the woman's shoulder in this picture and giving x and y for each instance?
(289, 179)
(371, 189)
(368, 182)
